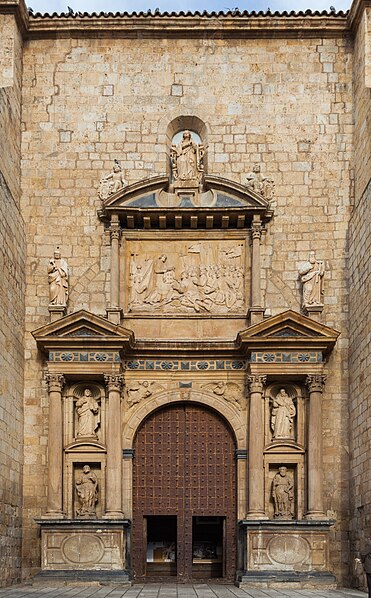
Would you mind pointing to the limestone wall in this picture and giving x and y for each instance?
(359, 298)
(12, 296)
(87, 102)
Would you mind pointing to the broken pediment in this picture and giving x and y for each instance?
(289, 330)
(154, 203)
(82, 329)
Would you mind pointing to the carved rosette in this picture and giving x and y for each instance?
(315, 382)
(55, 382)
(256, 383)
(114, 382)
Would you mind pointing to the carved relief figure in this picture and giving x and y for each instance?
(87, 493)
(259, 183)
(230, 391)
(206, 278)
(311, 274)
(88, 415)
(282, 416)
(283, 494)
(112, 183)
(187, 159)
(58, 280)
(137, 391)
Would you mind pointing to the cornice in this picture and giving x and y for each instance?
(20, 12)
(356, 12)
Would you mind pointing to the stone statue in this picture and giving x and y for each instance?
(282, 416)
(264, 185)
(112, 183)
(311, 274)
(87, 492)
(58, 280)
(187, 160)
(283, 494)
(88, 415)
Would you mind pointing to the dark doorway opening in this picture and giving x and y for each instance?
(161, 545)
(207, 547)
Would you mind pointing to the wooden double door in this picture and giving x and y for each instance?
(184, 496)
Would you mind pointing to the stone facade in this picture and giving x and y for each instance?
(90, 100)
(12, 302)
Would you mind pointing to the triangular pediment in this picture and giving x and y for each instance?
(82, 328)
(153, 203)
(289, 329)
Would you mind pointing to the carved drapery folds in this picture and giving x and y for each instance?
(112, 183)
(187, 161)
(283, 494)
(283, 412)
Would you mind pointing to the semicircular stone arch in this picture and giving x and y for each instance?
(220, 406)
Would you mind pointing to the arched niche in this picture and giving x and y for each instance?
(197, 128)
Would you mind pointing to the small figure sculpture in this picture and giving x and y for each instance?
(87, 409)
(311, 274)
(229, 391)
(87, 492)
(58, 279)
(283, 494)
(264, 185)
(282, 417)
(137, 391)
(187, 160)
(112, 183)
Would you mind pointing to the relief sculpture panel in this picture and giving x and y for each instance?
(186, 277)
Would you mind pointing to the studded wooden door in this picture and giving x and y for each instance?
(184, 466)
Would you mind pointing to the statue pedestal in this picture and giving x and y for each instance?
(84, 550)
(285, 553)
(314, 312)
(57, 312)
(255, 315)
(114, 314)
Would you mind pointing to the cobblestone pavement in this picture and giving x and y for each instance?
(157, 590)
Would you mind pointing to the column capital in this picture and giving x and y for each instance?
(115, 232)
(315, 382)
(256, 229)
(55, 382)
(256, 383)
(114, 382)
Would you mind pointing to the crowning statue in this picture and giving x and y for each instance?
(88, 415)
(283, 494)
(282, 417)
(58, 280)
(187, 160)
(311, 274)
(112, 183)
(264, 185)
(87, 492)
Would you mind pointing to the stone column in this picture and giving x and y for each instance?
(55, 447)
(114, 384)
(256, 508)
(256, 310)
(315, 383)
(113, 311)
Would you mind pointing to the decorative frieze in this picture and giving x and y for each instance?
(286, 357)
(185, 365)
(85, 356)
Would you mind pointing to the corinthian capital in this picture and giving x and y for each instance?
(55, 382)
(114, 382)
(256, 230)
(315, 382)
(256, 383)
(115, 233)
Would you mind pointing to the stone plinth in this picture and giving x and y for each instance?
(285, 554)
(84, 549)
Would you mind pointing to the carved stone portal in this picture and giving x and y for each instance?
(202, 277)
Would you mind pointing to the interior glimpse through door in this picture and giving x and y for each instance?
(161, 545)
(207, 547)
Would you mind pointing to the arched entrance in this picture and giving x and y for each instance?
(184, 495)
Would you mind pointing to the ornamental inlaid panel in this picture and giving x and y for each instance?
(199, 277)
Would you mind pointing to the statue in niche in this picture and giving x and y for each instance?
(112, 183)
(137, 391)
(282, 416)
(88, 415)
(187, 160)
(87, 492)
(311, 275)
(283, 494)
(264, 185)
(58, 280)
(229, 391)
